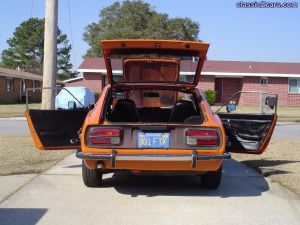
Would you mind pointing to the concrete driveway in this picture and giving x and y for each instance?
(59, 197)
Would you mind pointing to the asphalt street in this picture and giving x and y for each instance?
(19, 127)
(59, 197)
(13, 126)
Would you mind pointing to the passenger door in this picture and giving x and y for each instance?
(249, 132)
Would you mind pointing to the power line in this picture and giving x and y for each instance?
(31, 11)
(71, 32)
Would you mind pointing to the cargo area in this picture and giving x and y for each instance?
(161, 106)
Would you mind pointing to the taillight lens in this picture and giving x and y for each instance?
(198, 137)
(104, 136)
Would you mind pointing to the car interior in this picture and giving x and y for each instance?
(155, 106)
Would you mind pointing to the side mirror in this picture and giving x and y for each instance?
(71, 105)
(231, 106)
(271, 101)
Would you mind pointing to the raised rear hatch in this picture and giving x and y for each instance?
(154, 62)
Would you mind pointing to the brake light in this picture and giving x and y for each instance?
(198, 137)
(104, 136)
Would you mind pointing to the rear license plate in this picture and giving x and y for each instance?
(153, 140)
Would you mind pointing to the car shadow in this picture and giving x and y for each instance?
(267, 162)
(265, 166)
(24, 216)
(238, 181)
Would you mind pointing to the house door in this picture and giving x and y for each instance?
(226, 87)
(218, 89)
(230, 86)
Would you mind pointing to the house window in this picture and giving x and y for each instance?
(23, 85)
(294, 85)
(264, 80)
(9, 85)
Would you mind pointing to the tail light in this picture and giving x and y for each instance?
(198, 137)
(104, 136)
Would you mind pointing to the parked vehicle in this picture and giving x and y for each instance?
(151, 118)
(74, 97)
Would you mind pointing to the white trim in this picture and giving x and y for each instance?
(33, 85)
(72, 79)
(92, 70)
(23, 85)
(225, 74)
(187, 73)
(217, 74)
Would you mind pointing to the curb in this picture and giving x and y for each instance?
(14, 118)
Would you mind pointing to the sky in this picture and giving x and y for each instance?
(271, 35)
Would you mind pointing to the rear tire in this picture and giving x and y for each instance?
(91, 177)
(212, 179)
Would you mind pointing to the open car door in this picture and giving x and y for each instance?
(249, 132)
(56, 129)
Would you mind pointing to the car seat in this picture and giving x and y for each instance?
(182, 110)
(124, 111)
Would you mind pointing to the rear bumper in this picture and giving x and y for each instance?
(113, 157)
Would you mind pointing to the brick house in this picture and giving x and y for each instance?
(93, 75)
(13, 85)
(226, 77)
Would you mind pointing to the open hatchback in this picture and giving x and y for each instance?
(153, 117)
(154, 62)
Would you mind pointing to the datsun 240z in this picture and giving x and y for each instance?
(151, 117)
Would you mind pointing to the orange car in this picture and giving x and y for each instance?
(152, 118)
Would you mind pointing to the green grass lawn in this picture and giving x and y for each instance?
(16, 110)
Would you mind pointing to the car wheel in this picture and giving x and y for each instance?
(212, 179)
(91, 177)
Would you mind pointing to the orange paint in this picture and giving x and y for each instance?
(96, 116)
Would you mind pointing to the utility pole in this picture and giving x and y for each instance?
(50, 54)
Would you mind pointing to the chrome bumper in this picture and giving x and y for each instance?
(113, 157)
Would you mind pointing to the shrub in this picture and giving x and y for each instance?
(210, 96)
(96, 94)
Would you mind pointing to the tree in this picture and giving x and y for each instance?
(136, 19)
(26, 48)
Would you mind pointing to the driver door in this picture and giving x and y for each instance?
(249, 132)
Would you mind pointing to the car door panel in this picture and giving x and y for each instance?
(55, 129)
(248, 133)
